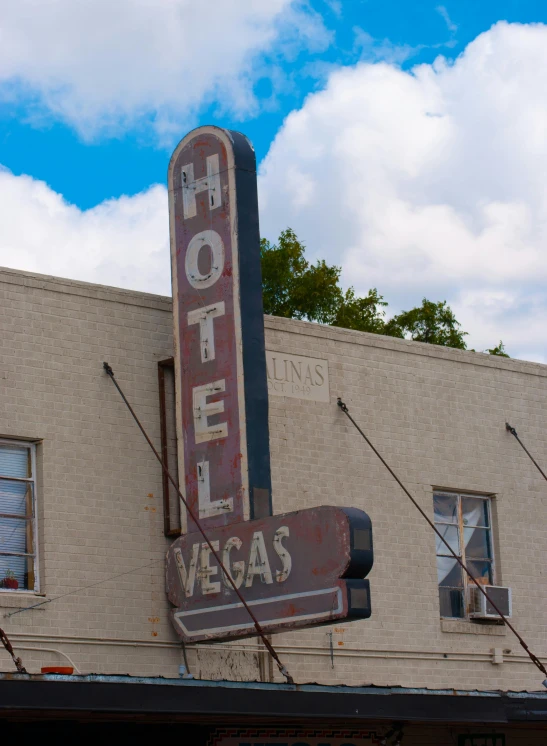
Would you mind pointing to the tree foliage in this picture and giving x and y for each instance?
(292, 287)
(431, 322)
(296, 289)
(498, 350)
(364, 314)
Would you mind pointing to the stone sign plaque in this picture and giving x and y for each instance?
(297, 376)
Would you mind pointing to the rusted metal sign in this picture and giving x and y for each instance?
(220, 364)
(293, 570)
(296, 570)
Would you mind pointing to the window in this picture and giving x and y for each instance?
(17, 517)
(465, 523)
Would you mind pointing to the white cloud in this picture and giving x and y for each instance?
(122, 242)
(100, 64)
(429, 182)
(376, 50)
(442, 11)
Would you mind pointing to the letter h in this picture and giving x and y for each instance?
(191, 186)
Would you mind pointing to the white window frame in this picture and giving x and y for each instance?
(460, 525)
(14, 442)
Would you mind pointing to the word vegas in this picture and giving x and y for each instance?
(202, 564)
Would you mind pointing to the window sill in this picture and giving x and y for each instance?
(467, 627)
(20, 599)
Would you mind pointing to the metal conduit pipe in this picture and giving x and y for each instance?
(225, 646)
(482, 657)
(469, 656)
(97, 641)
(350, 653)
(297, 650)
(291, 649)
(52, 650)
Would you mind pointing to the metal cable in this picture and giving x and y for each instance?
(82, 588)
(532, 459)
(215, 554)
(7, 644)
(535, 660)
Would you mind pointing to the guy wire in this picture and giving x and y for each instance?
(535, 660)
(215, 554)
(532, 459)
(82, 588)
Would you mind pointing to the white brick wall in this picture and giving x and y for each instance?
(437, 415)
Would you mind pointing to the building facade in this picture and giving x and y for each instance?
(83, 533)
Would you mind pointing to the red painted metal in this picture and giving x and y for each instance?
(223, 455)
(294, 570)
(229, 576)
(64, 670)
(222, 400)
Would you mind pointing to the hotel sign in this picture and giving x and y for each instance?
(293, 570)
(220, 365)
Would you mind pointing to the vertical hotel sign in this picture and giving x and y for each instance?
(294, 570)
(220, 366)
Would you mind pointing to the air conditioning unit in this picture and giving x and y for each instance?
(481, 608)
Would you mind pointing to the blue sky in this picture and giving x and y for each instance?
(37, 143)
(427, 120)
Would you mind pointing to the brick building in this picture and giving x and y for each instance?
(79, 465)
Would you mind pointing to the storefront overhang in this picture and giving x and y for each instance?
(230, 703)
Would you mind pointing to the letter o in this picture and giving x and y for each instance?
(204, 238)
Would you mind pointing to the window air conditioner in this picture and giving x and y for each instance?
(480, 608)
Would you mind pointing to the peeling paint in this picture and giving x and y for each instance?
(290, 575)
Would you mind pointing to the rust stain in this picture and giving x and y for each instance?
(314, 568)
(224, 472)
(292, 610)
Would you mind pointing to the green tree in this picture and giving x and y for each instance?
(296, 289)
(364, 314)
(499, 350)
(431, 322)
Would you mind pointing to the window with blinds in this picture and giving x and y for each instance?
(18, 571)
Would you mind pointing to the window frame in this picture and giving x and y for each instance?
(488, 500)
(14, 442)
